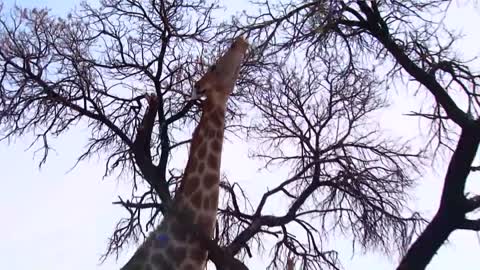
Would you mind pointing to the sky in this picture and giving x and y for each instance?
(54, 218)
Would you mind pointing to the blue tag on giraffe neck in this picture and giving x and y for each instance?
(162, 239)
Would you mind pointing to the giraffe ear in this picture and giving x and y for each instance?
(194, 95)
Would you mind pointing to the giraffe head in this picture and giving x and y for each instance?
(217, 84)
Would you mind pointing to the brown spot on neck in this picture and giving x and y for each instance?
(197, 199)
(202, 151)
(198, 254)
(160, 261)
(210, 179)
(177, 254)
(217, 117)
(206, 223)
(189, 184)
(216, 145)
(213, 161)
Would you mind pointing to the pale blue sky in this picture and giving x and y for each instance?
(63, 220)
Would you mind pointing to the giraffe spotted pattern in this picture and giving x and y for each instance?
(170, 246)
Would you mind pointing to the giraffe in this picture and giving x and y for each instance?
(169, 246)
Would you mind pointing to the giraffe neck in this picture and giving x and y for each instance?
(200, 186)
(169, 246)
(197, 197)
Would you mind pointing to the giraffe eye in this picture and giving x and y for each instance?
(212, 68)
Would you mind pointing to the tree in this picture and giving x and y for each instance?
(406, 38)
(100, 66)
